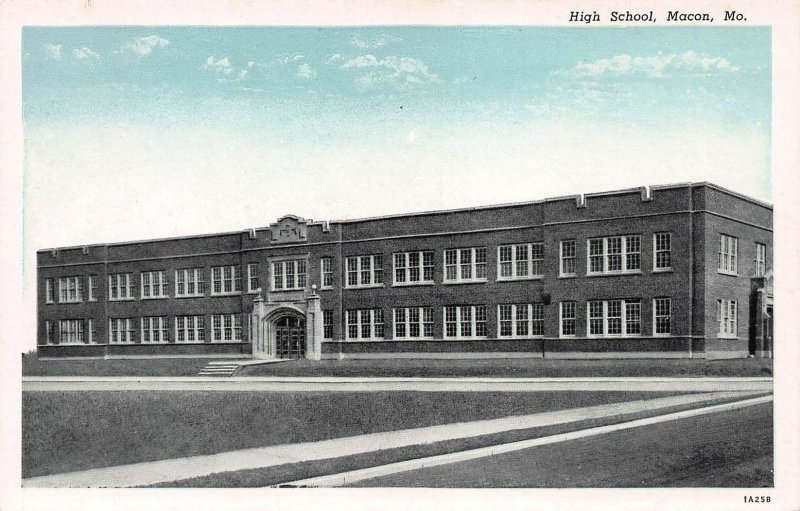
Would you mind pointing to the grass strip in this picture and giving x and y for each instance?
(278, 475)
(71, 431)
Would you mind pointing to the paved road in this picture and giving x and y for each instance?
(333, 384)
(727, 449)
(140, 474)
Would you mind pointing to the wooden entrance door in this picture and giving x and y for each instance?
(290, 337)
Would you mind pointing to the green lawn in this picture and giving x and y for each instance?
(68, 431)
(276, 476)
(31, 366)
(516, 368)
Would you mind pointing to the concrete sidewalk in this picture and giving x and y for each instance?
(141, 474)
(361, 384)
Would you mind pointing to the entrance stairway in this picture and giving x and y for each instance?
(226, 368)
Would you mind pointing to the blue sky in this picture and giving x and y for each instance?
(226, 128)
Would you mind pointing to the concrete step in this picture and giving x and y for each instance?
(222, 368)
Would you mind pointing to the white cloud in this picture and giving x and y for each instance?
(145, 45)
(655, 66)
(334, 59)
(390, 70)
(374, 42)
(221, 66)
(411, 138)
(305, 71)
(52, 51)
(85, 54)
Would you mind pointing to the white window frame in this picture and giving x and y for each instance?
(92, 285)
(727, 319)
(375, 272)
(533, 317)
(50, 335)
(761, 259)
(402, 316)
(156, 281)
(326, 272)
(656, 250)
(727, 252)
(186, 276)
(401, 261)
(285, 280)
(70, 289)
(375, 319)
(49, 290)
(116, 286)
(562, 258)
(573, 317)
(461, 264)
(70, 331)
(91, 333)
(196, 324)
(606, 318)
(226, 328)
(624, 254)
(228, 276)
(154, 329)
(515, 261)
(473, 321)
(253, 275)
(656, 316)
(121, 331)
(327, 323)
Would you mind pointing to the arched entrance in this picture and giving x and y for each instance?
(290, 337)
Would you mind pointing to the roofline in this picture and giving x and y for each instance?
(438, 212)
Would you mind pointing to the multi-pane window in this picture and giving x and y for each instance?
(225, 280)
(92, 288)
(226, 328)
(326, 263)
(465, 321)
(519, 261)
(614, 317)
(50, 332)
(70, 289)
(70, 331)
(155, 329)
(728, 247)
(121, 330)
(253, 278)
(761, 259)
(520, 320)
(413, 268)
(568, 258)
(465, 265)
(289, 275)
(364, 323)
(662, 251)
(189, 282)
(49, 291)
(364, 271)
(91, 331)
(120, 286)
(567, 319)
(614, 254)
(727, 316)
(413, 323)
(327, 324)
(662, 316)
(190, 328)
(154, 284)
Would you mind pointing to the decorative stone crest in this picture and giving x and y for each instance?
(289, 229)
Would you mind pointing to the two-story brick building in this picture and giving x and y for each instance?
(669, 271)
